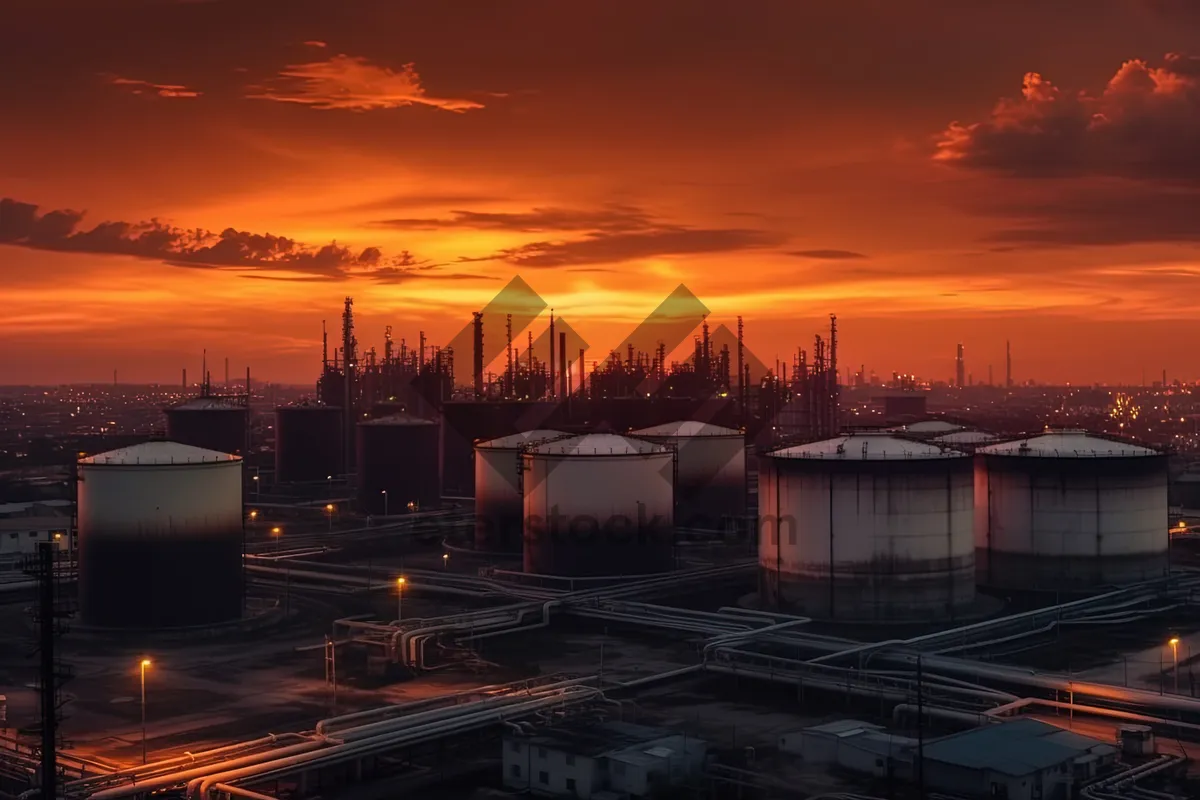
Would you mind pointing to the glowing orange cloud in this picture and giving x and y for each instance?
(160, 89)
(354, 84)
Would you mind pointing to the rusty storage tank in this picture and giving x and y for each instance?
(710, 482)
(498, 502)
(160, 537)
(598, 505)
(308, 443)
(210, 423)
(399, 465)
(867, 527)
(1070, 510)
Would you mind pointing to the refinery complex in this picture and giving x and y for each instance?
(674, 571)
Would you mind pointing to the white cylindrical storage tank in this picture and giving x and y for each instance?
(867, 526)
(160, 537)
(710, 479)
(498, 503)
(598, 504)
(1069, 510)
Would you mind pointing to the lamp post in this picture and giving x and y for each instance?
(329, 513)
(145, 663)
(384, 493)
(255, 479)
(445, 560)
(1175, 658)
(399, 599)
(275, 534)
(329, 479)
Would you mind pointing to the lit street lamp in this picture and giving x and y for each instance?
(145, 663)
(445, 560)
(384, 493)
(1175, 657)
(255, 479)
(399, 599)
(329, 513)
(275, 532)
(329, 478)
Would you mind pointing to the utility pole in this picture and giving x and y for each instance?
(920, 732)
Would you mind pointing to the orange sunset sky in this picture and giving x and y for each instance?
(205, 174)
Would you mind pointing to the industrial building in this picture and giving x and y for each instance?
(1069, 510)
(498, 503)
(399, 465)
(710, 484)
(601, 760)
(867, 526)
(212, 423)
(160, 537)
(308, 443)
(1025, 759)
(598, 504)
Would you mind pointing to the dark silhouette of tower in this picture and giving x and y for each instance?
(1008, 364)
(960, 368)
(477, 355)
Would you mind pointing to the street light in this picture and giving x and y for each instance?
(275, 533)
(384, 493)
(145, 663)
(399, 599)
(445, 560)
(1175, 657)
(329, 478)
(255, 479)
(329, 513)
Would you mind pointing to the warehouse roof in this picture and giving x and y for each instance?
(1017, 748)
(1066, 444)
(515, 441)
(152, 453)
(689, 427)
(599, 444)
(868, 446)
(594, 739)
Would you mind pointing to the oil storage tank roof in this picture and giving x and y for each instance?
(158, 453)
(1067, 444)
(685, 428)
(599, 444)
(866, 447)
(931, 426)
(398, 419)
(516, 440)
(967, 437)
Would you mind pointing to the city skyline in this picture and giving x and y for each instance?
(184, 184)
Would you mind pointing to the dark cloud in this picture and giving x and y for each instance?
(1143, 125)
(1097, 213)
(611, 218)
(605, 248)
(827, 255)
(21, 225)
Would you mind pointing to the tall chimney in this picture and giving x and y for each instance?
(562, 364)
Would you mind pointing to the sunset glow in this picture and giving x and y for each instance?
(174, 183)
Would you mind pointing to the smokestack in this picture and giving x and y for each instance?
(227, 373)
(562, 365)
(477, 355)
(582, 374)
(1008, 364)
(551, 384)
